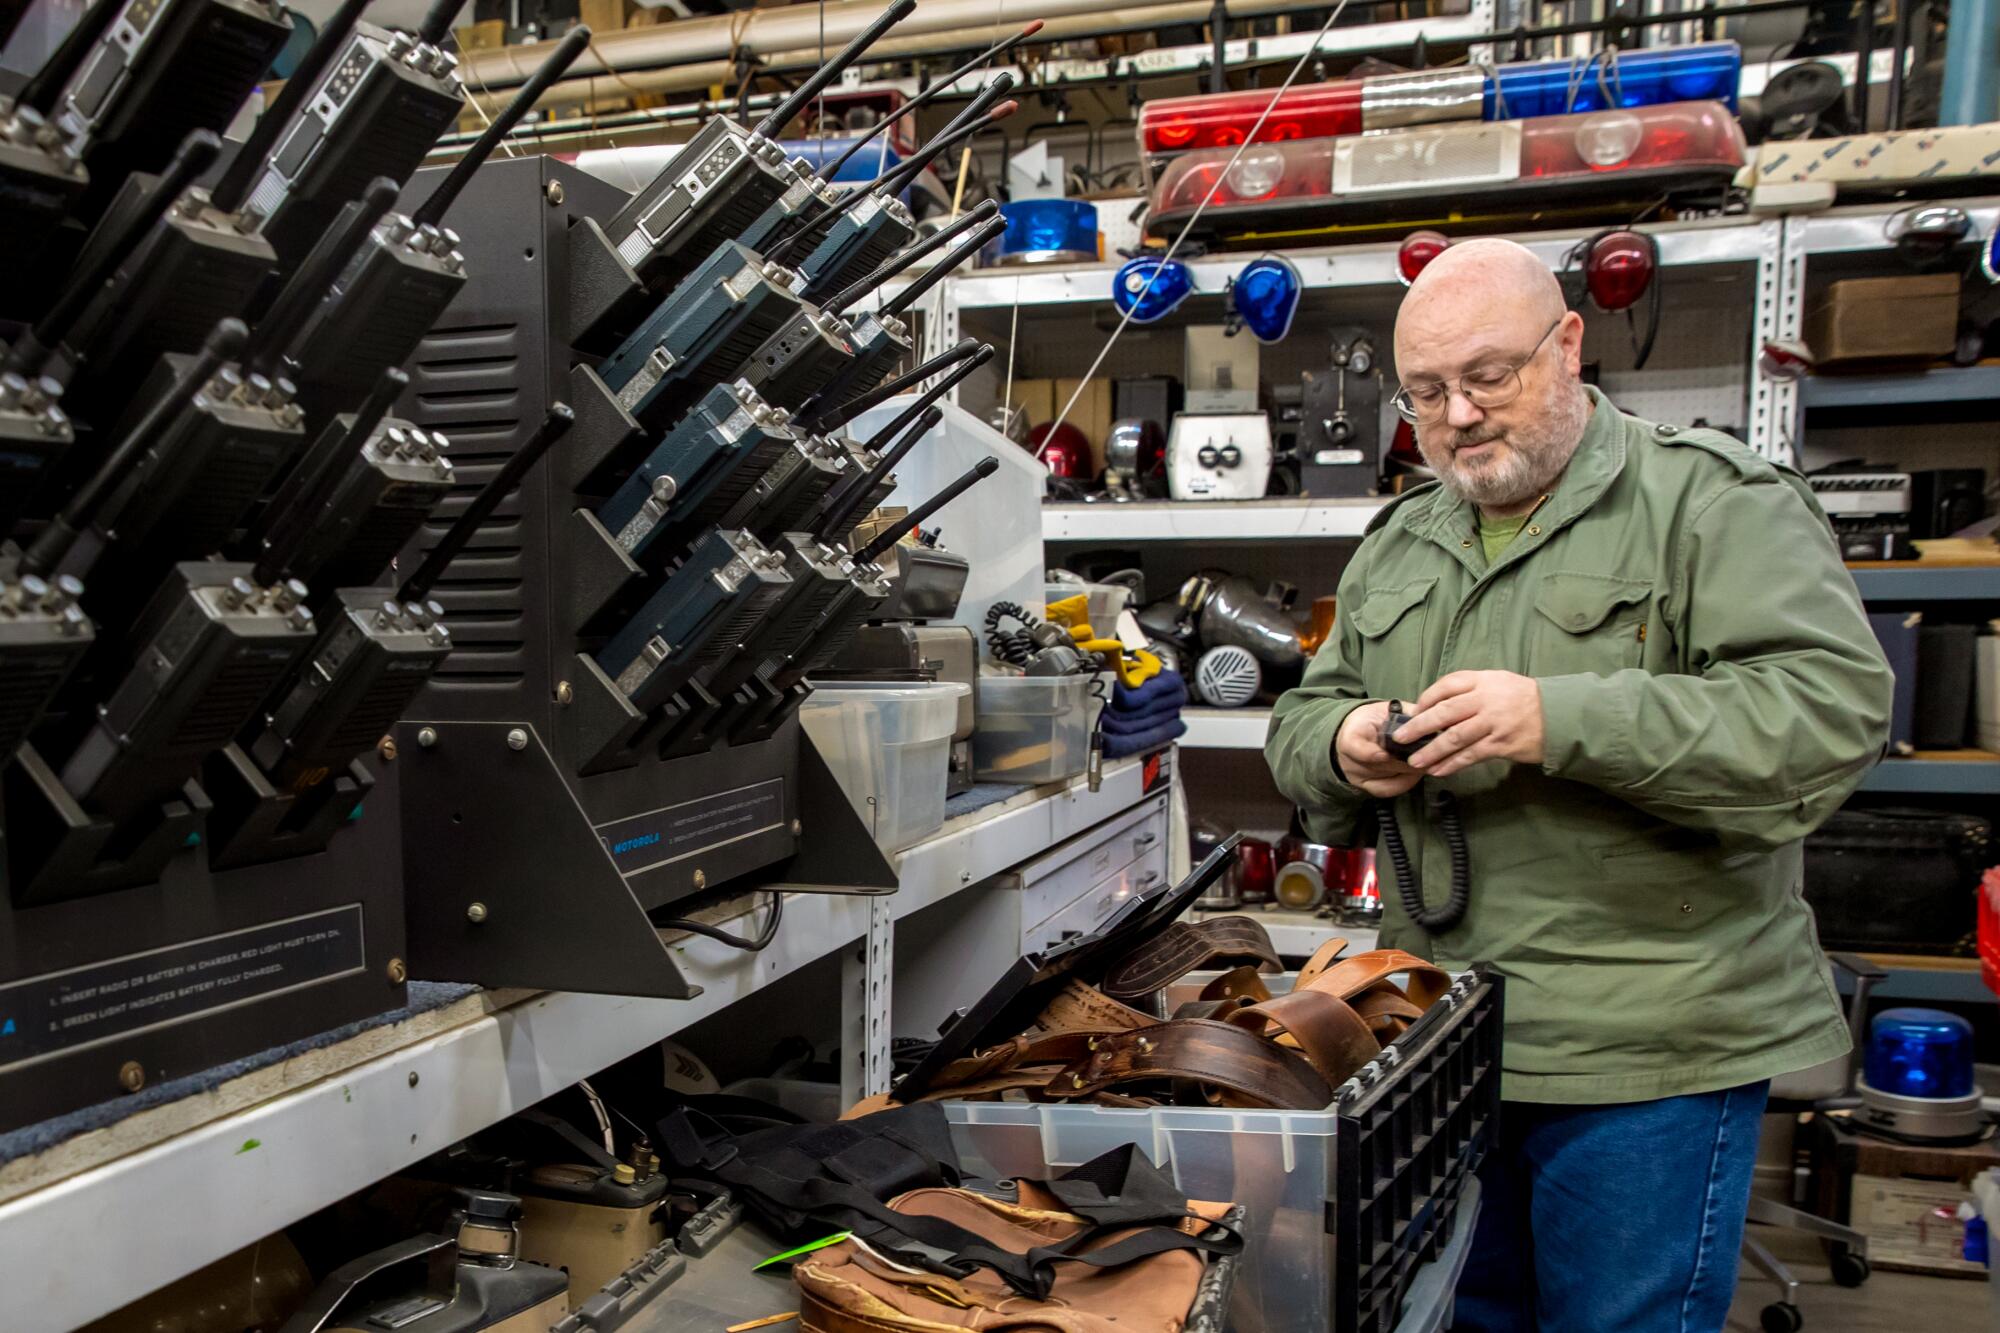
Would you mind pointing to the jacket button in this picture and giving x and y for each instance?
(1466, 542)
(1534, 529)
(1686, 908)
(1666, 430)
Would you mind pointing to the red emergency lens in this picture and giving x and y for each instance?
(1618, 270)
(1223, 120)
(1679, 134)
(1418, 249)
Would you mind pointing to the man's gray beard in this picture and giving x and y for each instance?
(1537, 455)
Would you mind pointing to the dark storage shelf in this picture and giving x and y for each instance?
(1950, 387)
(1937, 777)
(1917, 582)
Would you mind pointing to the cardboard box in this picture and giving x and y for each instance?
(1914, 317)
(485, 35)
(602, 15)
(1037, 398)
(1871, 161)
(1912, 1224)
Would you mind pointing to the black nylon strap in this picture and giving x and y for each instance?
(838, 1176)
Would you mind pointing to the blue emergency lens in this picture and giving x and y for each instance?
(1989, 257)
(1049, 230)
(1266, 296)
(1148, 288)
(1706, 72)
(1919, 1053)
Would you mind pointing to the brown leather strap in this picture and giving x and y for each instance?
(1081, 1007)
(1239, 983)
(1332, 1036)
(1184, 947)
(1386, 1011)
(1220, 1055)
(1322, 958)
(1350, 977)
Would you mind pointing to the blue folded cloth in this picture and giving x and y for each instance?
(1117, 745)
(1163, 688)
(1133, 724)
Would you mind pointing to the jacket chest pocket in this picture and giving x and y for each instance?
(1588, 623)
(1391, 624)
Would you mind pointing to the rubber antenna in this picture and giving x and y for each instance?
(923, 98)
(841, 510)
(418, 586)
(796, 100)
(448, 189)
(298, 298)
(437, 20)
(969, 247)
(903, 258)
(290, 521)
(224, 342)
(41, 91)
(198, 152)
(908, 523)
(827, 422)
(911, 165)
(230, 191)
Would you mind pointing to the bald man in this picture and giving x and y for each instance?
(1637, 676)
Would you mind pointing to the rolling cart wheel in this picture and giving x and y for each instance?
(1849, 1269)
(1782, 1317)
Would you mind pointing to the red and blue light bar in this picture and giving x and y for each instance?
(1707, 72)
(1584, 159)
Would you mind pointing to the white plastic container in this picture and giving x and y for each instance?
(1031, 729)
(889, 746)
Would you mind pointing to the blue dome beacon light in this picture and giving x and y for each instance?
(1265, 296)
(1916, 1078)
(1149, 288)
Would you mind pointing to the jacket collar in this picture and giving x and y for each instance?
(1448, 519)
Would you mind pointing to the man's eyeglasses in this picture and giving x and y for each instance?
(1492, 385)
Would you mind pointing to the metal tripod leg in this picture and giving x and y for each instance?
(1769, 1265)
(1782, 1215)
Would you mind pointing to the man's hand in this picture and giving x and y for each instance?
(1362, 759)
(1473, 716)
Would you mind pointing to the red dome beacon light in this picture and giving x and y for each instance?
(1619, 267)
(1416, 252)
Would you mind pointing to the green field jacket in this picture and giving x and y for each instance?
(1710, 692)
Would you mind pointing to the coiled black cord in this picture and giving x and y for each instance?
(1014, 646)
(1408, 887)
(1444, 806)
(758, 945)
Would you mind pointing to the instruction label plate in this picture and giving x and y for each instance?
(58, 1012)
(639, 843)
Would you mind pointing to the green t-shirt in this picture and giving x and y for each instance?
(1495, 533)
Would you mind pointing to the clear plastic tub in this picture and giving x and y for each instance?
(1345, 1205)
(889, 746)
(1031, 729)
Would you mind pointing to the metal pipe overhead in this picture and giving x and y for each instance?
(791, 36)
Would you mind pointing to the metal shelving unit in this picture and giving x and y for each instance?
(251, 1171)
(1935, 777)
(1240, 520)
(1956, 385)
(1917, 583)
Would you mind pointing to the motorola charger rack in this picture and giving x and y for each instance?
(632, 632)
(361, 477)
(201, 637)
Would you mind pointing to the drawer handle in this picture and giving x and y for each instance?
(1146, 881)
(1144, 840)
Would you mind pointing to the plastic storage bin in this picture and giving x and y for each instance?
(1345, 1204)
(1032, 728)
(889, 746)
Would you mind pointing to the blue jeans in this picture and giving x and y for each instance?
(1624, 1217)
